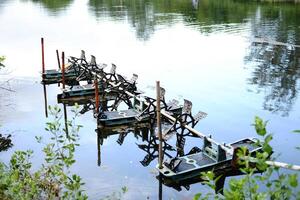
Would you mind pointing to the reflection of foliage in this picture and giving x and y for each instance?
(277, 66)
(145, 15)
(54, 6)
(138, 13)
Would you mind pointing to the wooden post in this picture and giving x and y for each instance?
(158, 118)
(43, 56)
(63, 69)
(96, 96)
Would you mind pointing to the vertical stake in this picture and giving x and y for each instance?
(43, 56)
(45, 99)
(63, 69)
(96, 95)
(158, 118)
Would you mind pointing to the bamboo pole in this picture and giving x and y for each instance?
(63, 69)
(158, 118)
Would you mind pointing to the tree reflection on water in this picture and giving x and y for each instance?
(277, 67)
(54, 7)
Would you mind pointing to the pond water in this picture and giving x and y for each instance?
(233, 60)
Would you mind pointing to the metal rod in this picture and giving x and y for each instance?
(45, 100)
(43, 57)
(96, 95)
(158, 118)
(283, 165)
(63, 69)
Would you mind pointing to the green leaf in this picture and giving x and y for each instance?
(260, 126)
(268, 138)
(293, 180)
(267, 148)
(197, 196)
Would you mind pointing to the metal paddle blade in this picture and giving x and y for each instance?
(162, 93)
(93, 60)
(113, 68)
(133, 78)
(82, 56)
(173, 103)
(187, 107)
(200, 115)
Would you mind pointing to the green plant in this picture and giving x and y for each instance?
(53, 180)
(277, 185)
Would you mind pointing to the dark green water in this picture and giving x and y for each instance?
(232, 59)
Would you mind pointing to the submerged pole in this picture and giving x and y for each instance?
(43, 74)
(158, 119)
(45, 100)
(58, 62)
(43, 56)
(96, 95)
(63, 69)
(66, 120)
(98, 148)
(160, 191)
